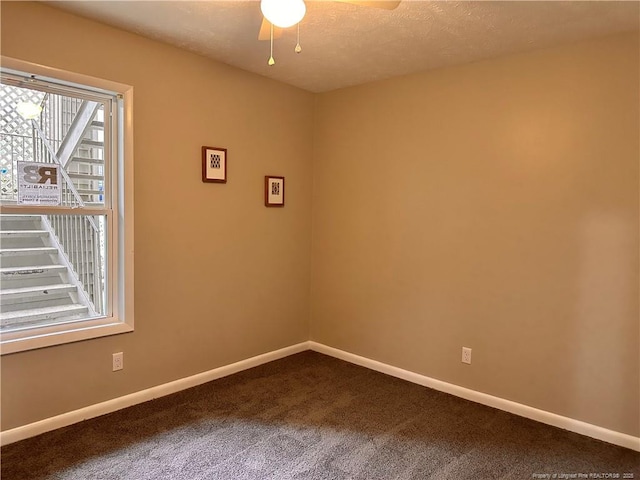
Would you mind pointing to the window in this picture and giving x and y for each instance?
(66, 198)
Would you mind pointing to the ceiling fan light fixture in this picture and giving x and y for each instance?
(283, 13)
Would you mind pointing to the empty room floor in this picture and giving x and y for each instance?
(310, 416)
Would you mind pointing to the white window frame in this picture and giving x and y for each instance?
(120, 297)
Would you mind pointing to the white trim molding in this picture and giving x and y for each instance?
(92, 411)
(519, 409)
(118, 317)
(69, 418)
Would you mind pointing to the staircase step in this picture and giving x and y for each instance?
(19, 218)
(86, 176)
(20, 222)
(12, 252)
(39, 291)
(92, 143)
(45, 313)
(97, 161)
(90, 192)
(23, 233)
(31, 270)
(97, 123)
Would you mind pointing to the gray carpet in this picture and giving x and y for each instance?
(310, 416)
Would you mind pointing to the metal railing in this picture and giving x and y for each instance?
(80, 240)
(58, 113)
(78, 236)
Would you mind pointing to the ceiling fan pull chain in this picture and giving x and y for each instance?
(271, 60)
(298, 48)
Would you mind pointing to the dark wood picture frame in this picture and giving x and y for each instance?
(214, 164)
(271, 197)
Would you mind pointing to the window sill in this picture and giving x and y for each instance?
(15, 342)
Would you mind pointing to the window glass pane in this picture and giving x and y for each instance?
(53, 269)
(62, 129)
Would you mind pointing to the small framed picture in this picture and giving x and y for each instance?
(273, 191)
(214, 164)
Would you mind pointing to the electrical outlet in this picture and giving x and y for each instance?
(118, 361)
(466, 355)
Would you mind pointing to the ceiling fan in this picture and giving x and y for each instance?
(281, 14)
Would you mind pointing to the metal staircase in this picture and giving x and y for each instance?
(86, 166)
(36, 283)
(51, 265)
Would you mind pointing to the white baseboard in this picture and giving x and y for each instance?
(69, 418)
(542, 416)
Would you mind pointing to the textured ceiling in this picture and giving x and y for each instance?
(344, 45)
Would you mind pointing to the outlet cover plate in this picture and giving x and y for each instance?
(466, 355)
(118, 361)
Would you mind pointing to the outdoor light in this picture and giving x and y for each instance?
(28, 110)
(283, 13)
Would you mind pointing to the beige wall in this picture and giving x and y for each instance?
(218, 277)
(494, 206)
